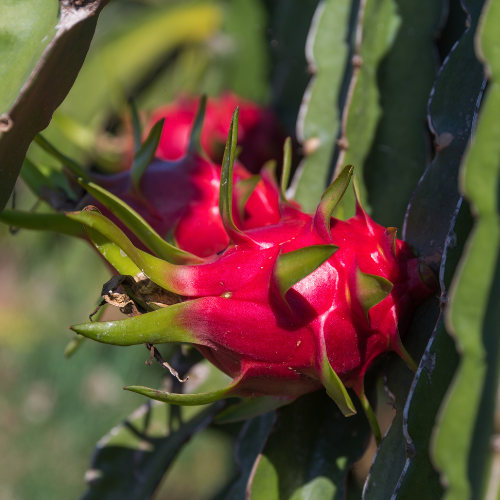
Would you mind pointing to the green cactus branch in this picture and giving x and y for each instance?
(433, 378)
(400, 149)
(468, 316)
(70, 35)
(452, 107)
(378, 24)
(318, 123)
(427, 223)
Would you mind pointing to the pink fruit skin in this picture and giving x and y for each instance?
(249, 333)
(182, 197)
(260, 135)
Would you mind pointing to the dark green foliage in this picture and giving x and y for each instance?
(426, 226)
(392, 454)
(431, 383)
(462, 440)
(131, 460)
(309, 451)
(400, 149)
(451, 115)
(252, 439)
(289, 23)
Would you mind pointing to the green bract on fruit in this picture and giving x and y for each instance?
(285, 309)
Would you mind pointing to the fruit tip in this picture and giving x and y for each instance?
(427, 275)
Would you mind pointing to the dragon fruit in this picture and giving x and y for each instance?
(259, 130)
(179, 198)
(286, 309)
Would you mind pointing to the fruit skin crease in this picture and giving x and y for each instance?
(278, 330)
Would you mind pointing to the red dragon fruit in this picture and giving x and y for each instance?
(179, 198)
(259, 130)
(286, 309)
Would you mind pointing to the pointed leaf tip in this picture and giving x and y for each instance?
(401, 351)
(203, 398)
(287, 166)
(145, 155)
(292, 267)
(329, 201)
(372, 418)
(333, 385)
(195, 137)
(244, 189)
(370, 290)
(269, 170)
(157, 327)
(427, 275)
(360, 210)
(388, 243)
(136, 125)
(226, 184)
